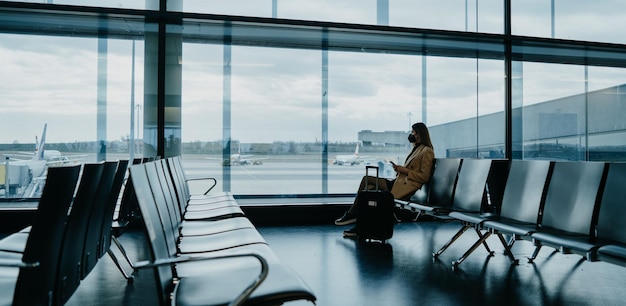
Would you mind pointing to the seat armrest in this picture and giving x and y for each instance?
(204, 179)
(243, 295)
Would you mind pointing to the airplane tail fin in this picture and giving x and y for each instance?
(40, 144)
(356, 151)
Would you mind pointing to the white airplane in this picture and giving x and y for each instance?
(37, 164)
(17, 174)
(52, 157)
(239, 159)
(352, 159)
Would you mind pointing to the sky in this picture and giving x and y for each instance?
(276, 93)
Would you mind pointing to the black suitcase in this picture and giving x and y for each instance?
(375, 208)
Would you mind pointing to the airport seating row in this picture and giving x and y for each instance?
(572, 207)
(44, 263)
(204, 250)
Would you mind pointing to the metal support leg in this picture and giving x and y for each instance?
(452, 240)
(480, 241)
(419, 213)
(535, 253)
(113, 257)
(507, 248)
(480, 235)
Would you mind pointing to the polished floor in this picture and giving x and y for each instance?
(345, 272)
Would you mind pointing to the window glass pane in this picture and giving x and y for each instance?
(276, 120)
(79, 89)
(373, 101)
(600, 21)
(273, 111)
(457, 15)
(350, 11)
(590, 20)
(531, 18)
(202, 111)
(554, 112)
(255, 8)
(607, 106)
(123, 99)
(491, 120)
(465, 111)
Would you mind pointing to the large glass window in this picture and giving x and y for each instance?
(73, 95)
(297, 108)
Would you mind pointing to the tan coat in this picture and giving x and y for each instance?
(420, 165)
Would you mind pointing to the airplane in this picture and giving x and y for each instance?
(239, 159)
(52, 157)
(352, 159)
(16, 174)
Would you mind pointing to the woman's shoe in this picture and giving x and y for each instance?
(346, 219)
(351, 233)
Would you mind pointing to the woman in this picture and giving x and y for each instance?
(410, 177)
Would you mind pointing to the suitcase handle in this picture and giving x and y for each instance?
(367, 170)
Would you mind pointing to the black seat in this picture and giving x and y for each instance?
(114, 196)
(611, 228)
(468, 196)
(101, 216)
(568, 215)
(219, 282)
(35, 282)
(440, 189)
(188, 200)
(212, 240)
(125, 214)
(522, 201)
(217, 208)
(70, 265)
(480, 211)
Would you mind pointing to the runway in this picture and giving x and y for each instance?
(279, 176)
(293, 174)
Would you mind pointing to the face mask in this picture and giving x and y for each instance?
(412, 138)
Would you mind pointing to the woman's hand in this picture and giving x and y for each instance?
(396, 168)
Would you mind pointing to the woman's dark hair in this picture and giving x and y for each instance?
(421, 130)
